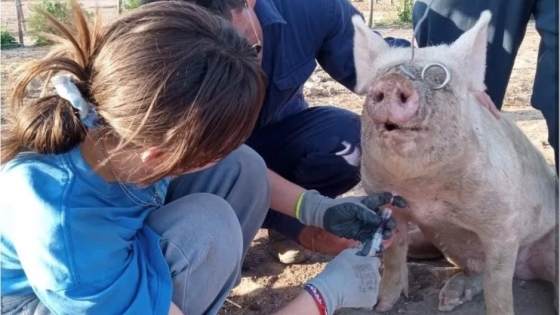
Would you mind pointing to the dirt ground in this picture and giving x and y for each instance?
(267, 285)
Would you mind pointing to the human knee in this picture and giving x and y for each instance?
(333, 165)
(204, 226)
(250, 163)
(252, 172)
(343, 123)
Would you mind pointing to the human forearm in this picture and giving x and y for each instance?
(303, 304)
(285, 194)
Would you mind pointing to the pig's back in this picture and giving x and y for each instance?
(515, 164)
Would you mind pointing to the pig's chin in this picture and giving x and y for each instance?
(400, 139)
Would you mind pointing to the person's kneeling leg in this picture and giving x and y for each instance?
(202, 243)
(241, 179)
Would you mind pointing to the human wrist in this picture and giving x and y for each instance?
(324, 297)
(309, 209)
(298, 205)
(302, 304)
(317, 298)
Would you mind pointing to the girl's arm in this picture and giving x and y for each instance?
(303, 304)
(284, 194)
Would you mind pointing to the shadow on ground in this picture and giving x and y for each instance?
(268, 285)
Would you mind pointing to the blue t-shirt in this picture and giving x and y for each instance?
(78, 242)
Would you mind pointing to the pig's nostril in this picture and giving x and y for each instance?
(403, 97)
(378, 96)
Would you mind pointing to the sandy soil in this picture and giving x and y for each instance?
(267, 285)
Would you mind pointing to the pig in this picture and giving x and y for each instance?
(475, 185)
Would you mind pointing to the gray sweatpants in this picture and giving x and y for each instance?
(448, 19)
(207, 225)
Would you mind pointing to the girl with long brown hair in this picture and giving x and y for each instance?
(90, 222)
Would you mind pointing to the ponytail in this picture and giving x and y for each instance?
(50, 124)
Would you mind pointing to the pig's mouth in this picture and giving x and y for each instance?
(389, 126)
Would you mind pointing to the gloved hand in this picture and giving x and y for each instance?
(352, 217)
(349, 280)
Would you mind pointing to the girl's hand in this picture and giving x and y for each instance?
(349, 280)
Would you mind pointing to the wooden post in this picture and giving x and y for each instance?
(370, 22)
(20, 21)
(119, 6)
(20, 8)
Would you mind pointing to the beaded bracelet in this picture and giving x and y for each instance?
(311, 289)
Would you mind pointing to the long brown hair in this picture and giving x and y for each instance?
(168, 75)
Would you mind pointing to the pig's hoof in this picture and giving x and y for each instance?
(458, 290)
(388, 297)
(384, 306)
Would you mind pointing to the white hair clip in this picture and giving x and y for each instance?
(66, 89)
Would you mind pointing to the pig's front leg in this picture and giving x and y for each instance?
(395, 271)
(501, 255)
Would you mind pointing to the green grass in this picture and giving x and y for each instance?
(7, 40)
(402, 17)
(60, 10)
(131, 4)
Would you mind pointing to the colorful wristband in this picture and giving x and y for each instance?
(298, 205)
(312, 290)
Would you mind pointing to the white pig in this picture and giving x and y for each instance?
(475, 185)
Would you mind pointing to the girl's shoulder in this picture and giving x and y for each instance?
(32, 169)
(34, 179)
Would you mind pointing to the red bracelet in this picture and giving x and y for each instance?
(311, 289)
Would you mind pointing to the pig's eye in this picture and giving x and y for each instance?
(436, 75)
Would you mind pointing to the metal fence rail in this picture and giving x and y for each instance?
(15, 14)
(16, 21)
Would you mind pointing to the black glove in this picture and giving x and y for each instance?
(354, 218)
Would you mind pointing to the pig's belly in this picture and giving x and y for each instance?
(461, 247)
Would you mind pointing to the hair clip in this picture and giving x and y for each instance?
(66, 89)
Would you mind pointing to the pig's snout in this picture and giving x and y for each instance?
(393, 99)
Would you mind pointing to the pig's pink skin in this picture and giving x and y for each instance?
(475, 186)
(392, 98)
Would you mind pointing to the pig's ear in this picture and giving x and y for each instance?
(368, 45)
(469, 51)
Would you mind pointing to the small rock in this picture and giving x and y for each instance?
(248, 288)
(333, 91)
(255, 307)
(313, 91)
(315, 78)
